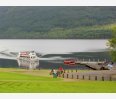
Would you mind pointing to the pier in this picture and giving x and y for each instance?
(100, 71)
(95, 65)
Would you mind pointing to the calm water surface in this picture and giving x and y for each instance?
(55, 48)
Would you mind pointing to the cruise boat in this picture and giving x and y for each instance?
(28, 55)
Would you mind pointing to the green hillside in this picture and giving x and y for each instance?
(57, 22)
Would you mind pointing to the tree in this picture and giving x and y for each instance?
(112, 45)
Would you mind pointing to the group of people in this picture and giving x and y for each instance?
(57, 73)
(60, 71)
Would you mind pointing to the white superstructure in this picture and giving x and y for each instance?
(27, 55)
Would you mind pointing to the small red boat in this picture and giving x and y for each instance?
(69, 62)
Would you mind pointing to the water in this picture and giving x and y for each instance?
(53, 46)
(52, 52)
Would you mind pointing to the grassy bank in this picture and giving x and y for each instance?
(32, 81)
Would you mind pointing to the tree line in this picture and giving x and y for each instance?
(57, 22)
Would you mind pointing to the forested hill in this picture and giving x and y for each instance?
(57, 22)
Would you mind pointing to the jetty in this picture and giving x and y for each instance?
(95, 65)
(99, 71)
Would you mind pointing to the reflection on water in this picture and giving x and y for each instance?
(51, 61)
(8, 63)
(41, 64)
(28, 64)
(51, 53)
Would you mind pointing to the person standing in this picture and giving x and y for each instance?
(61, 70)
(51, 72)
(54, 73)
(110, 65)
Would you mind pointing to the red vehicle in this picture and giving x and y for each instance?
(69, 62)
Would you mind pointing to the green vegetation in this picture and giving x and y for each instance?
(19, 80)
(57, 22)
(112, 44)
